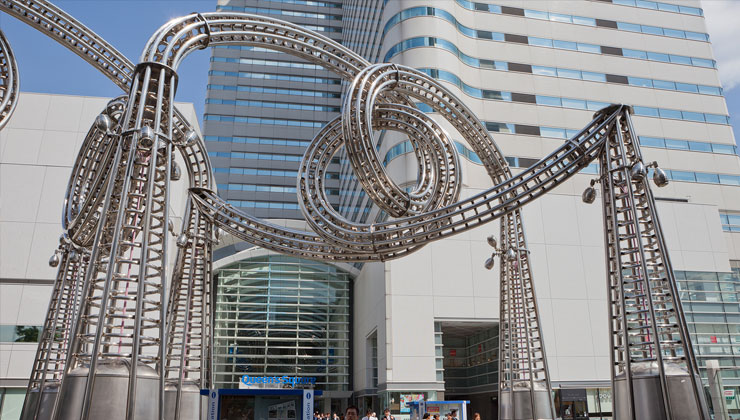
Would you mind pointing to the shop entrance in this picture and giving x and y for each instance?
(261, 404)
(469, 357)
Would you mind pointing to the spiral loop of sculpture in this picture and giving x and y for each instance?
(137, 336)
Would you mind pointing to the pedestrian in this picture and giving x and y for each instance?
(368, 414)
(373, 416)
(352, 413)
(476, 416)
(426, 416)
(453, 414)
(387, 415)
(436, 417)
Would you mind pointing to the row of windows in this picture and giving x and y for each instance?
(656, 5)
(271, 76)
(260, 62)
(462, 150)
(441, 43)
(730, 222)
(276, 91)
(547, 42)
(310, 3)
(283, 12)
(264, 121)
(268, 188)
(656, 142)
(518, 162)
(276, 105)
(570, 103)
(695, 146)
(266, 172)
(274, 205)
(258, 140)
(260, 156)
(587, 21)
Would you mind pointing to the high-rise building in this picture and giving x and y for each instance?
(534, 73)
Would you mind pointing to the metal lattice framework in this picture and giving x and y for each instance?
(125, 338)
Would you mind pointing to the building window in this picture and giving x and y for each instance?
(278, 315)
(19, 333)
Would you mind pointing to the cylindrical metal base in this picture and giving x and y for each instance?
(110, 392)
(522, 404)
(48, 398)
(649, 396)
(190, 401)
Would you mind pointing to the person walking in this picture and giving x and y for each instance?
(387, 415)
(476, 416)
(352, 413)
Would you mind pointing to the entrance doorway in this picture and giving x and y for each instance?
(469, 357)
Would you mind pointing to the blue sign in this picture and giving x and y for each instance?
(278, 380)
(307, 410)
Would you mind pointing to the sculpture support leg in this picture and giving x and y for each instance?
(188, 318)
(654, 372)
(48, 366)
(525, 392)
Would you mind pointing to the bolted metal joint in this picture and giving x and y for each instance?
(638, 171)
(103, 123)
(190, 138)
(146, 136)
(182, 240)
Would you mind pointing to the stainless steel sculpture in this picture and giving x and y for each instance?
(137, 344)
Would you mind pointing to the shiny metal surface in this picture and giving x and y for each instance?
(137, 346)
(9, 82)
(523, 404)
(645, 315)
(109, 399)
(646, 382)
(53, 348)
(41, 410)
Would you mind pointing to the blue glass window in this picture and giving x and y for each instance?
(565, 45)
(548, 100)
(596, 77)
(638, 81)
(646, 111)
(693, 116)
(663, 84)
(544, 71)
(654, 56)
(652, 142)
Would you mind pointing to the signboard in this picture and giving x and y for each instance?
(308, 404)
(729, 394)
(213, 405)
(407, 398)
(453, 353)
(250, 382)
(572, 395)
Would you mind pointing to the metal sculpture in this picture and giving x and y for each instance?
(134, 349)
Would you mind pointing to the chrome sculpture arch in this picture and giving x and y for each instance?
(114, 329)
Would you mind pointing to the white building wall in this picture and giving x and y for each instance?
(446, 280)
(38, 148)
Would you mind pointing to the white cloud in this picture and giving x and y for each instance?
(722, 18)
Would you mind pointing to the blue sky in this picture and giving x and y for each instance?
(47, 67)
